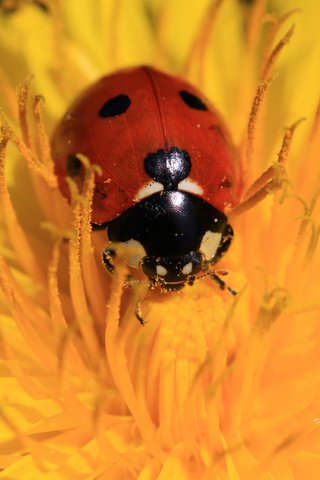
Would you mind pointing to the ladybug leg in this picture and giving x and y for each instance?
(138, 287)
(191, 280)
(221, 283)
(138, 314)
(107, 256)
(225, 243)
(153, 283)
(214, 275)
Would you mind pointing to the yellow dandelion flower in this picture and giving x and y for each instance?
(212, 387)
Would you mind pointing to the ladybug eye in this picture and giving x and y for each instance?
(74, 166)
(115, 106)
(192, 100)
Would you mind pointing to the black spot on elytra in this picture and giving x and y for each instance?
(192, 100)
(115, 106)
(101, 191)
(226, 182)
(74, 166)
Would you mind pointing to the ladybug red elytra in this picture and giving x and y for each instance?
(168, 172)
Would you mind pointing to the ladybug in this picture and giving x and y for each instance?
(169, 171)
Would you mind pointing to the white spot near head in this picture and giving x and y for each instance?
(210, 243)
(187, 268)
(147, 190)
(176, 198)
(132, 251)
(161, 270)
(190, 186)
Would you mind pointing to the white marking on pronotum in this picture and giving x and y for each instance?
(133, 252)
(210, 243)
(147, 190)
(161, 270)
(187, 268)
(190, 186)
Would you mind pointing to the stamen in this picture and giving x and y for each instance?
(113, 24)
(315, 132)
(263, 180)
(31, 386)
(275, 53)
(42, 137)
(34, 164)
(276, 25)
(72, 61)
(253, 117)
(77, 288)
(55, 9)
(202, 40)
(34, 146)
(266, 79)
(115, 344)
(62, 330)
(26, 315)
(272, 179)
(17, 236)
(8, 96)
(256, 198)
(56, 314)
(286, 142)
(92, 280)
(255, 20)
(307, 239)
(23, 97)
(272, 306)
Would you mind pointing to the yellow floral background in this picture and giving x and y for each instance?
(212, 387)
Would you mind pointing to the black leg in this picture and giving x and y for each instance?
(227, 238)
(107, 256)
(139, 314)
(221, 283)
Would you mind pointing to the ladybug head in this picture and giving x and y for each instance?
(173, 272)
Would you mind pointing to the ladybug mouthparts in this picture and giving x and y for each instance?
(172, 273)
